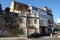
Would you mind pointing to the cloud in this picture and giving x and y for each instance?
(58, 20)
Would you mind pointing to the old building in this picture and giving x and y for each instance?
(28, 16)
(20, 9)
(33, 20)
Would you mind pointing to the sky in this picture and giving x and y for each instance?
(53, 4)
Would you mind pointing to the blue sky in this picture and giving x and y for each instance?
(53, 4)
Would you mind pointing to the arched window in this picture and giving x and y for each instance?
(35, 21)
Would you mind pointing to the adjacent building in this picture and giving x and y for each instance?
(46, 20)
(43, 21)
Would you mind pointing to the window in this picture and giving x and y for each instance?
(21, 20)
(41, 22)
(43, 16)
(28, 21)
(17, 6)
(20, 7)
(35, 21)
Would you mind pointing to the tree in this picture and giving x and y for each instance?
(58, 27)
(21, 31)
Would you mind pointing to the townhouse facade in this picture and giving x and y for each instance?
(32, 21)
(28, 16)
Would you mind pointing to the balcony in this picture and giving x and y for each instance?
(50, 17)
(51, 25)
(32, 15)
(22, 14)
(37, 15)
(49, 13)
(30, 26)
